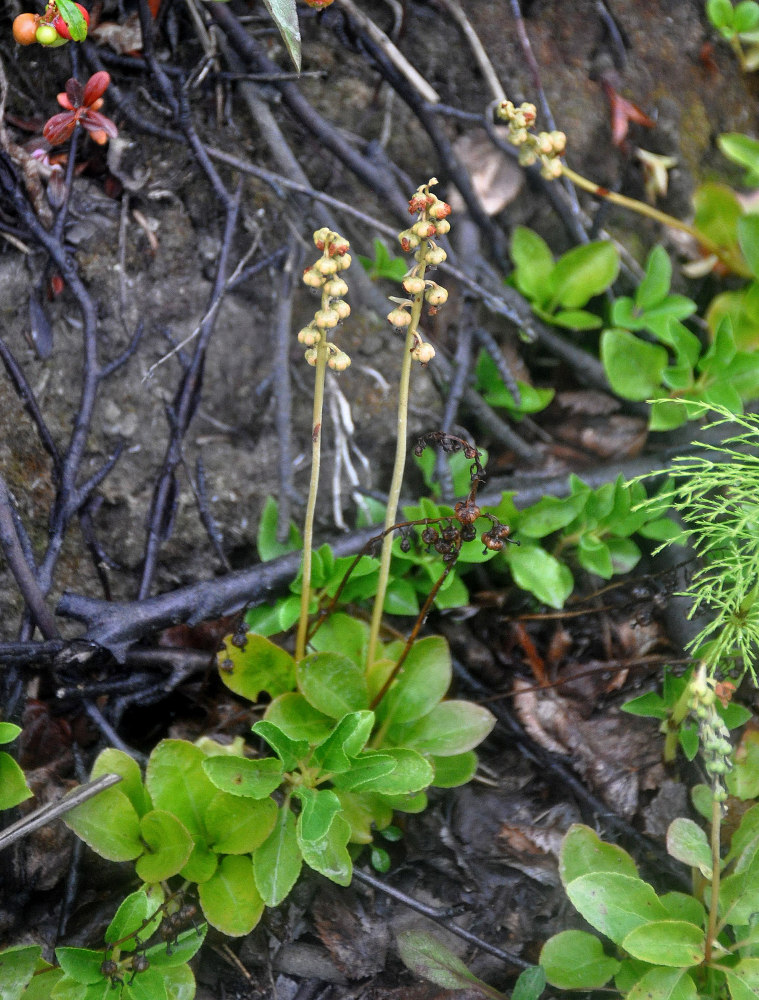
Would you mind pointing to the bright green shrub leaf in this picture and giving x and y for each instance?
(720, 13)
(582, 273)
(181, 951)
(365, 771)
(9, 731)
(739, 898)
(201, 865)
(230, 900)
(634, 368)
(745, 17)
(289, 751)
(743, 979)
(739, 148)
(342, 634)
(576, 319)
(17, 964)
(168, 846)
(667, 414)
(109, 824)
(128, 919)
(549, 514)
(666, 942)
(450, 772)
(73, 17)
(594, 555)
(717, 212)
(177, 783)
(454, 593)
(365, 813)
(540, 573)
(179, 982)
(412, 804)
(687, 842)
(411, 772)
(260, 666)
(81, 964)
(649, 706)
(112, 761)
(625, 554)
(401, 599)
(452, 727)
(576, 960)
(238, 826)
(44, 983)
(329, 855)
(533, 263)
(293, 715)
(615, 904)
(656, 281)
(277, 862)
(255, 779)
(318, 809)
(147, 985)
(332, 684)
(421, 684)
(747, 832)
(13, 786)
(345, 741)
(530, 984)
(681, 906)
(583, 852)
(430, 959)
(664, 984)
(266, 539)
(687, 737)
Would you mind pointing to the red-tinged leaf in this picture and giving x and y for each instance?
(59, 128)
(93, 121)
(98, 135)
(622, 113)
(63, 100)
(96, 87)
(74, 92)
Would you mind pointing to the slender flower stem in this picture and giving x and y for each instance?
(396, 482)
(711, 932)
(735, 264)
(308, 527)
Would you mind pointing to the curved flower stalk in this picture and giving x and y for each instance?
(547, 149)
(321, 354)
(431, 221)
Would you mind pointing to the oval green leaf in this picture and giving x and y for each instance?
(260, 666)
(422, 682)
(277, 862)
(332, 684)
(687, 842)
(451, 728)
(575, 960)
(239, 826)
(255, 779)
(583, 852)
(230, 900)
(675, 943)
(615, 904)
(109, 824)
(168, 846)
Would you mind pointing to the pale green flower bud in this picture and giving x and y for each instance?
(339, 362)
(436, 295)
(310, 356)
(343, 262)
(399, 317)
(336, 288)
(423, 352)
(309, 336)
(342, 308)
(435, 255)
(312, 278)
(414, 285)
(326, 319)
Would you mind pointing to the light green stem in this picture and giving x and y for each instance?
(308, 527)
(394, 493)
(711, 933)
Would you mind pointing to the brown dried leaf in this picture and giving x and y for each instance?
(496, 178)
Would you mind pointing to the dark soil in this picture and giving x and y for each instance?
(201, 440)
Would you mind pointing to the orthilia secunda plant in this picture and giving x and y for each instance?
(547, 149)
(324, 274)
(432, 221)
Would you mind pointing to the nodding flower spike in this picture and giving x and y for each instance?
(333, 309)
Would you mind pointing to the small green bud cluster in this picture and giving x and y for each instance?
(324, 274)
(714, 735)
(545, 148)
(432, 221)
